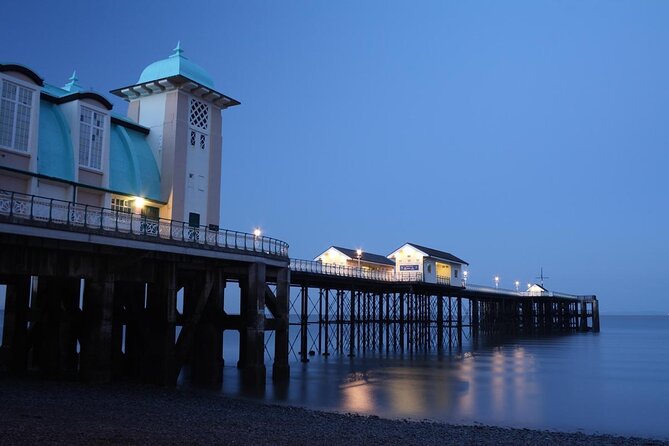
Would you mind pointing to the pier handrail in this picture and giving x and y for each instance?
(85, 218)
(331, 269)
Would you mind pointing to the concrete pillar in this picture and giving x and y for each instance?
(14, 350)
(96, 339)
(159, 334)
(253, 326)
(280, 368)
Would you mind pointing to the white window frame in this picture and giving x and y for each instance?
(13, 122)
(123, 205)
(91, 134)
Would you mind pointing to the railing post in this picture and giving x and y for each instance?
(32, 205)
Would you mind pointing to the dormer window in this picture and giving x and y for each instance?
(15, 111)
(91, 134)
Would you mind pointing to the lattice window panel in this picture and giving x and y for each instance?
(199, 114)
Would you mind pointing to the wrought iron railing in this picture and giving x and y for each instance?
(311, 266)
(84, 218)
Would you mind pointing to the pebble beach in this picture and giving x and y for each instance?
(57, 412)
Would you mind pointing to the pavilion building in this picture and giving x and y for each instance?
(162, 160)
(430, 265)
(336, 255)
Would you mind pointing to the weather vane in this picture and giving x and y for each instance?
(542, 277)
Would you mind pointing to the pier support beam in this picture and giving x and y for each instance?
(207, 358)
(96, 339)
(55, 325)
(595, 315)
(13, 353)
(280, 368)
(253, 326)
(159, 334)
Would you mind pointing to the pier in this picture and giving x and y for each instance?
(121, 321)
(353, 311)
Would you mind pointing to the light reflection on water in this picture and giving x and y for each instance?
(613, 382)
(616, 381)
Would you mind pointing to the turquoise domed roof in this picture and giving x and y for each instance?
(175, 65)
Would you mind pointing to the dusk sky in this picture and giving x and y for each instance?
(515, 135)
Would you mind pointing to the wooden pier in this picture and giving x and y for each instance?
(92, 293)
(356, 312)
(123, 322)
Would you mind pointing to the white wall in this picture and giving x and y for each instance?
(332, 257)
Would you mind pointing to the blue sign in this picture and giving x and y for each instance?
(409, 267)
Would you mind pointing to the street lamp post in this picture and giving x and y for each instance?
(465, 273)
(256, 235)
(517, 285)
(496, 281)
(358, 254)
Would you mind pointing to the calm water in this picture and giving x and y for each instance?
(616, 381)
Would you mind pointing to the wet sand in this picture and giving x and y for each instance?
(57, 412)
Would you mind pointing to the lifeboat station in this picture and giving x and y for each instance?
(105, 219)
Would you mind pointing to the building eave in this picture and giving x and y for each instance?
(78, 96)
(178, 82)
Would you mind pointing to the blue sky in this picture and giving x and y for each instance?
(516, 134)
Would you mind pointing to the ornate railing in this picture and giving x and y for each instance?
(85, 218)
(311, 266)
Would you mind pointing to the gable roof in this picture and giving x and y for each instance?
(438, 254)
(366, 256)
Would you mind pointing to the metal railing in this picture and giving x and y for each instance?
(312, 266)
(84, 218)
(488, 289)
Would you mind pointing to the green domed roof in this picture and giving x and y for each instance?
(175, 65)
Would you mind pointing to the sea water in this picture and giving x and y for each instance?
(615, 381)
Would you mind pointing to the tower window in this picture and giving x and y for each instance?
(199, 115)
(198, 120)
(15, 111)
(91, 134)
